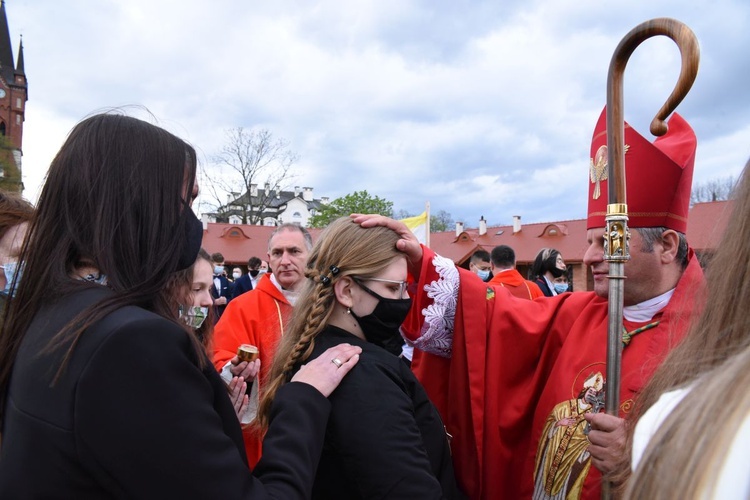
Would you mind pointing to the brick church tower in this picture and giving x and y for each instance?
(13, 97)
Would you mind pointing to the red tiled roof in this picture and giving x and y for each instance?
(707, 222)
(239, 242)
(569, 237)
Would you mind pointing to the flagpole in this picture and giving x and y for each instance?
(427, 236)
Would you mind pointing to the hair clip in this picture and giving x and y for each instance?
(334, 270)
(325, 280)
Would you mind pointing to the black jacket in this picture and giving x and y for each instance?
(544, 287)
(241, 285)
(134, 416)
(384, 438)
(225, 290)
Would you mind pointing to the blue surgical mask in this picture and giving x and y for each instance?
(13, 274)
(218, 269)
(483, 274)
(194, 316)
(561, 287)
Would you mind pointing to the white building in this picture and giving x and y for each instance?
(270, 207)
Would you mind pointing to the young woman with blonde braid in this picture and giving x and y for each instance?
(384, 437)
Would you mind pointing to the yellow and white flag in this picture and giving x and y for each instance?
(420, 226)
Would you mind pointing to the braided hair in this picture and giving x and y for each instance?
(343, 249)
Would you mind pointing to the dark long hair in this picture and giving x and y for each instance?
(546, 260)
(115, 198)
(14, 210)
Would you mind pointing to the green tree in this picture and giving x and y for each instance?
(10, 175)
(441, 221)
(359, 202)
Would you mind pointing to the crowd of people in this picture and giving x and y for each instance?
(124, 368)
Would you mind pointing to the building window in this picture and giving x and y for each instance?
(297, 215)
(18, 120)
(18, 102)
(2, 128)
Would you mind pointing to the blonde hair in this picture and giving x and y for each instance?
(686, 452)
(343, 249)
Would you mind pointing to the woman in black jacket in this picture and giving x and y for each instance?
(105, 393)
(548, 271)
(384, 439)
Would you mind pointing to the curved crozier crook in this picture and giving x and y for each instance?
(690, 52)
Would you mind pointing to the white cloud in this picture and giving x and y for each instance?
(482, 108)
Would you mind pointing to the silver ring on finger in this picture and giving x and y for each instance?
(337, 362)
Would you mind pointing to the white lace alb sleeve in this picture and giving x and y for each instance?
(436, 336)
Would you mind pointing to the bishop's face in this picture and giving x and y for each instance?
(643, 271)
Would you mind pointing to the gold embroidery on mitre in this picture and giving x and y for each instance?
(598, 170)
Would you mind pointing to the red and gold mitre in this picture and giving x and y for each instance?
(658, 176)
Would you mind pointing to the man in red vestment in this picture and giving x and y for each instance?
(504, 273)
(258, 318)
(515, 379)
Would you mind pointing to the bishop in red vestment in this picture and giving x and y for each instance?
(515, 379)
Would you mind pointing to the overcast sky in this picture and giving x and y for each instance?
(482, 108)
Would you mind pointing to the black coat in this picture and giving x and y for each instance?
(544, 287)
(224, 290)
(384, 438)
(241, 285)
(134, 416)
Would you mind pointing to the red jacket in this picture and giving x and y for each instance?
(258, 318)
(516, 285)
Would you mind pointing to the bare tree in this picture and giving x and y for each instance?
(249, 171)
(712, 190)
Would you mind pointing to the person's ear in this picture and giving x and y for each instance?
(342, 289)
(670, 243)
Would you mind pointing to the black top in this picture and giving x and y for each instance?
(544, 287)
(241, 285)
(384, 438)
(134, 416)
(225, 290)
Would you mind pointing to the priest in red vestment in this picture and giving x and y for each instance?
(516, 380)
(258, 318)
(504, 273)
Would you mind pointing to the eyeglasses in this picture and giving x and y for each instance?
(401, 284)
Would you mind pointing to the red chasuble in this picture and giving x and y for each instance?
(512, 378)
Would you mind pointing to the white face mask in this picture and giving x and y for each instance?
(194, 316)
(236, 275)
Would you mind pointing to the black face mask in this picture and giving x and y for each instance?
(254, 272)
(381, 326)
(193, 238)
(557, 272)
